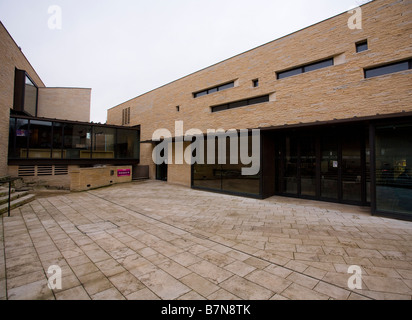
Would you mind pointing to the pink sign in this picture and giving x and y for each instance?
(123, 173)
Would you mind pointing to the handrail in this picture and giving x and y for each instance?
(9, 180)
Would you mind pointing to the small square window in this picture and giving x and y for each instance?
(362, 46)
(255, 83)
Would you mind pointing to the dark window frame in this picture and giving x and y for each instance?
(221, 87)
(360, 46)
(241, 103)
(255, 83)
(12, 154)
(321, 64)
(20, 77)
(378, 71)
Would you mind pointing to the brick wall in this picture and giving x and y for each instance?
(337, 92)
(90, 178)
(11, 57)
(65, 103)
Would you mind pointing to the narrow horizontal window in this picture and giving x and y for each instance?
(214, 89)
(388, 68)
(306, 68)
(241, 103)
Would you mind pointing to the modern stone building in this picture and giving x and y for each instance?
(333, 103)
(45, 133)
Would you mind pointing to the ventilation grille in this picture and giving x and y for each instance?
(27, 171)
(61, 170)
(44, 170)
(34, 171)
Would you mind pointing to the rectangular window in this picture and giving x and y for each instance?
(394, 169)
(388, 68)
(241, 103)
(214, 89)
(255, 83)
(306, 68)
(362, 46)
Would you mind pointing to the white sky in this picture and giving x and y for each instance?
(124, 48)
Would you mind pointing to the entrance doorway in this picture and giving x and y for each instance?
(330, 164)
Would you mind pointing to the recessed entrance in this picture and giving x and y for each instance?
(324, 164)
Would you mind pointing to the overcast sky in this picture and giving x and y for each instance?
(124, 48)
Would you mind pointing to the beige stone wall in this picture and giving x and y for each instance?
(337, 92)
(64, 103)
(58, 181)
(11, 57)
(82, 179)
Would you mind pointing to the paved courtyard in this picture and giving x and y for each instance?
(150, 240)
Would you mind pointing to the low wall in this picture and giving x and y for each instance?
(82, 179)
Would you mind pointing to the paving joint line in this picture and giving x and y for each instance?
(227, 246)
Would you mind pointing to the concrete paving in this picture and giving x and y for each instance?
(150, 240)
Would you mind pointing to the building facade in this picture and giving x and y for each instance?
(333, 104)
(45, 133)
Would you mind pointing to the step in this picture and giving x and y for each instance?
(17, 203)
(13, 196)
(5, 191)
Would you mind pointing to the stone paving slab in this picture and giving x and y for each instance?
(149, 240)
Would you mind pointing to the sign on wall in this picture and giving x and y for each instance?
(123, 173)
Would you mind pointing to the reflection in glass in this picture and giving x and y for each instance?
(21, 135)
(40, 139)
(77, 141)
(30, 97)
(329, 168)
(394, 169)
(127, 146)
(225, 177)
(351, 168)
(103, 142)
(291, 170)
(308, 166)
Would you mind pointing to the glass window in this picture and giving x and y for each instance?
(225, 177)
(306, 68)
(21, 136)
(386, 69)
(199, 94)
(213, 90)
(220, 108)
(103, 143)
(238, 104)
(257, 100)
(30, 97)
(127, 146)
(394, 169)
(318, 65)
(226, 86)
(255, 83)
(40, 140)
(242, 103)
(77, 141)
(57, 140)
(362, 46)
(289, 73)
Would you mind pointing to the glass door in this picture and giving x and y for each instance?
(329, 168)
(351, 168)
(308, 166)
